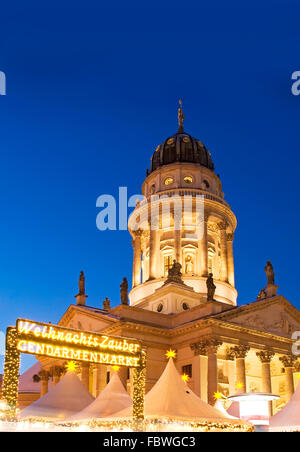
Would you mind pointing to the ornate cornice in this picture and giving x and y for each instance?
(259, 305)
(44, 374)
(205, 346)
(222, 225)
(199, 348)
(239, 351)
(56, 371)
(265, 355)
(288, 360)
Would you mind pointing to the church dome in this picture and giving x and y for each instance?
(181, 147)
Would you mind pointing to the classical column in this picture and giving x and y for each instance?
(223, 246)
(137, 262)
(212, 370)
(56, 373)
(177, 237)
(288, 362)
(202, 248)
(85, 375)
(239, 352)
(100, 378)
(44, 374)
(154, 250)
(209, 347)
(230, 262)
(199, 364)
(265, 357)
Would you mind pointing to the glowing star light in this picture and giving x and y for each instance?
(218, 395)
(116, 368)
(171, 354)
(71, 366)
(239, 385)
(185, 377)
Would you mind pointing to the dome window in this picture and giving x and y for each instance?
(188, 179)
(160, 307)
(169, 181)
(205, 184)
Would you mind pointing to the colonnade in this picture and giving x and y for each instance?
(151, 240)
(209, 348)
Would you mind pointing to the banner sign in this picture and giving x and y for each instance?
(45, 339)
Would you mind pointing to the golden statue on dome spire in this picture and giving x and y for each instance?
(180, 117)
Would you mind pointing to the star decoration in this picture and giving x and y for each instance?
(239, 385)
(71, 366)
(218, 395)
(171, 354)
(185, 377)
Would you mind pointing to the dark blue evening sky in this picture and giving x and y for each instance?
(92, 91)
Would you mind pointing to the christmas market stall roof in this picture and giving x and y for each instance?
(29, 381)
(219, 406)
(112, 399)
(65, 399)
(288, 418)
(171, 399)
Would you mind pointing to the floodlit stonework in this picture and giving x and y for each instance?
(221, 346)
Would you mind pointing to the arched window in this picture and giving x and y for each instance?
(168, 263)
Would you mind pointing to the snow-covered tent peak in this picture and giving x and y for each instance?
(112, 399)
(65, 399)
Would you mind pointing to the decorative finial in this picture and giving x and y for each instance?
(180, 117)
(106, 304)
(81, 296)
(81, 283)
(124, 292)
(270, 273)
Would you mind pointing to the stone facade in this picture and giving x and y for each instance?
(223, 347)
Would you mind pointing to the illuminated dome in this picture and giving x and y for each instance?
(181, 147)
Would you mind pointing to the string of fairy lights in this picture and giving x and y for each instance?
(11, 369)
(139, 387)
(137, 422)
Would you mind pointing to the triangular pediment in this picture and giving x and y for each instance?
(273, 315)
(86, 318)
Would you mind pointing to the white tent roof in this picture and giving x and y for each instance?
(65, 399)
(26, 382)
(288, 418)
(219, 406)
(113, 398)
(171, 398)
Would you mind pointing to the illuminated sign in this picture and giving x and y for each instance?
(64, 343)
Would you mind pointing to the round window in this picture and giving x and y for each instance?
(205, 184)
(188, 179)
(169, 181)
(160, 307)
(185, 306)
